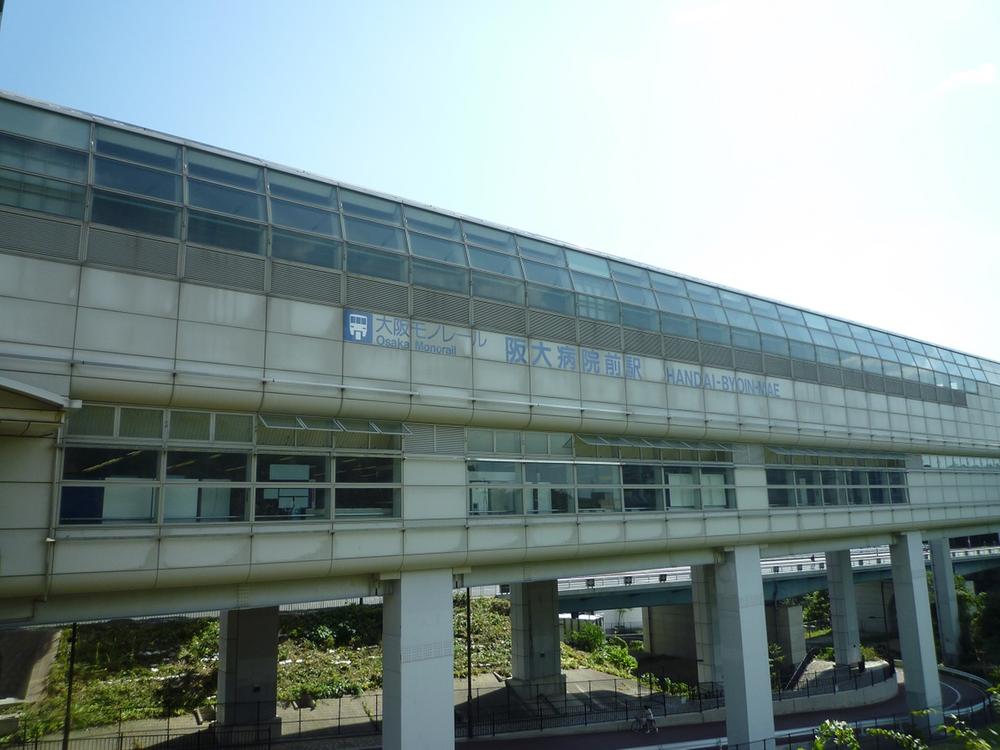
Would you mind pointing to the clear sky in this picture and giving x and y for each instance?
(842, 156)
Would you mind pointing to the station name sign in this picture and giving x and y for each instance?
(391, 332)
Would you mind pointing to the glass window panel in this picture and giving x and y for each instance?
(643, 498)
(136, 214)
(801, 350)
(883, 339)
(713, 332)
(494, 500)
(629, 274)
(892, 369)
(745, 339)
(823, 338)
(41, 194)
(439, 276)
(898, 341)
(774, 345)
(734, 301)
(199, 504)
(827, 356)
(536, 442)
(713, 313)
(668, 284)
(494, 472)
(371, 233)
(741, 319)
(815, 321)
(547, 298)
(768, 325)
(138, 148)
(228, 233)
(305, 249)
(548, 473)
(641, 474)
(109, 463)
(221, 169)
(46, 126)
(306, 218)
(761, 307)
(846, 344)
(859, 333)
(597, 308)
(495, 262)
(601, 287)
(872, 365)
(301, 189)
(203, 465)
(867, 348)
(852, 361)
(437, 249)
(636, 295)
(433, 223)
(587, 263)
(152, 182)
(675, 325)
(714, 492)
(368, 470)
(640, 317)
(374, 263)
(507, 441)
(674, 304)
(114, 504)
(546, 274)
(370, 207)
(702, 293)
(598, 474)
(479, 441)
(542, 251)
(549, 500)
(838, 327)
(798, 333)
(682, 490)
(292, 503)
(226, 199)
(291, 468)
(53, 161)
(886, 352)
(788, 315)
(599, 499)
(494, 239)
(366, 502)
(498, 288)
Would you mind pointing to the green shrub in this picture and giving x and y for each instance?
(588, 637)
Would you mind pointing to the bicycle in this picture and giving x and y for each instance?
(639, 726)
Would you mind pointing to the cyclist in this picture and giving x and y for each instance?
(649, 721)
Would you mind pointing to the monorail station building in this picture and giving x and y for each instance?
(229, 385)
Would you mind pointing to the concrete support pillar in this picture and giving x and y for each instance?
(248, 668)
(784, 627)
(946, 600)
(417, 662)
(843, 607)
(746, 676)
(707, 641)
(668, 630)
(913, 619)
(534, 620)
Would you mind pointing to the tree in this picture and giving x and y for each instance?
(816, 609)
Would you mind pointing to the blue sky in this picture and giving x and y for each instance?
(841, 156)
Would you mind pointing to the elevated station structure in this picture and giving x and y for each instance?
(226, 384)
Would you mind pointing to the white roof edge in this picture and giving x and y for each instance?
(39, 394)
